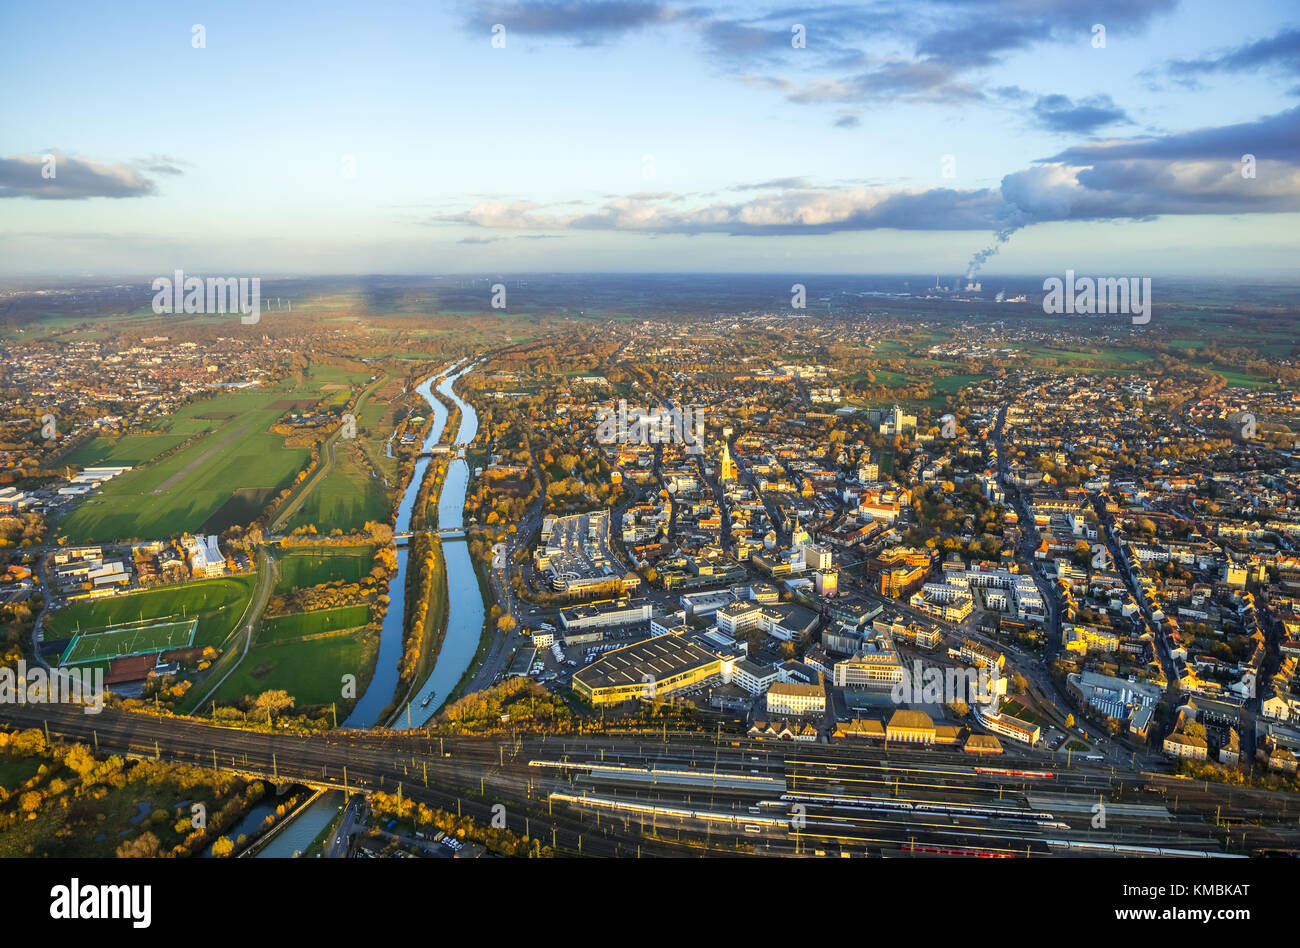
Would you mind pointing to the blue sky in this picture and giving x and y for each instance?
(644, 136)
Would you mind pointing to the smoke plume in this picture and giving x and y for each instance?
(1014, 220)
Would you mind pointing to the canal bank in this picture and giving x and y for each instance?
(465, 613)
(464, 621)
(382, 687)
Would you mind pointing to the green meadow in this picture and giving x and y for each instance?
(345, 499)
(310, 669)
(300, 624)
(300, 569)
(224, 476)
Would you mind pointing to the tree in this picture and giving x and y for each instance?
(1069, 720)
(273, 702)
(506, 624)
(223, 847)
(144, 846)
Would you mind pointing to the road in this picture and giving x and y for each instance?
(339, 845)
(268, 575)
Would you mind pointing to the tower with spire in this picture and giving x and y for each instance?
(727, 469)
(798, 535)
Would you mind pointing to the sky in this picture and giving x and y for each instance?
(1025, 136)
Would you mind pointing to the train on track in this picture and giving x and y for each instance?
(940, 809)
(1002, 772)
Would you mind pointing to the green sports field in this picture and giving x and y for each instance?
(136, 639)
(300, 569)
(218, 604)
(312, 623)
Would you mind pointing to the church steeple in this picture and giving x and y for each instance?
(727, 469)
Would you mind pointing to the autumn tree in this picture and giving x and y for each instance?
(273, 702)
(144, 846)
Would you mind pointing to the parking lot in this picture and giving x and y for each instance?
(578, 550)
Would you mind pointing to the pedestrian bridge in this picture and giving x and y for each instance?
(444, 451)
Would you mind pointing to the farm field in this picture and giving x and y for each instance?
(229, 466)
(218, 604)
(299, 624)
(300, 569)
(1242, 380)
(309, 669)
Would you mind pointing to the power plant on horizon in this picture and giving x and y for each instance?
(972, 286)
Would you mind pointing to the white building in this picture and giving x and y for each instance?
(753, 677)
(791, 698)
(205, 556)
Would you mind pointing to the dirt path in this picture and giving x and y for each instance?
(327, 461)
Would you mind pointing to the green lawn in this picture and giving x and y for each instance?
(1018, 709)
(299, 570)
(310, 623)
(16, 771)
(346, 498)
(1242, 380)
(311, 670)
(218, 604)
(1107, 357)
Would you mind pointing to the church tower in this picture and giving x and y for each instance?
(727, 471)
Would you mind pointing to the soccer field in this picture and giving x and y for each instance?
(136, 639)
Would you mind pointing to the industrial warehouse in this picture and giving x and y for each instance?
(651, 668)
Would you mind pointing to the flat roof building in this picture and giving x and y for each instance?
(606, 613)
(651, 668)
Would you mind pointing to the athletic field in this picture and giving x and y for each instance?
(136, 639)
